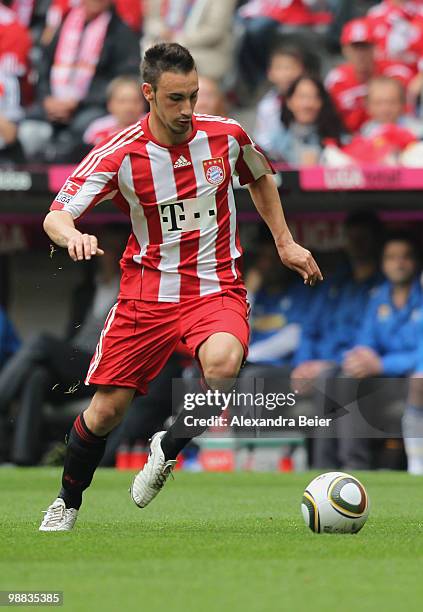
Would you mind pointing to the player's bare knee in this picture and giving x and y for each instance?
(107, 409)
(107, 416)
(222, 365)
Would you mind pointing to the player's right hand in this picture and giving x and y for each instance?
(83, 246)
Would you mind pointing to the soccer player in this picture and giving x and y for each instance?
(181, 280)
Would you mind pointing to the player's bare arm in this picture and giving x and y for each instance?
(266, 199)
(60, 228)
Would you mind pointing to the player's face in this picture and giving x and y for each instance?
(174, 100)
(126, 104)
(399, 264)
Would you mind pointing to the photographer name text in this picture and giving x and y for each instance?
(242, 421)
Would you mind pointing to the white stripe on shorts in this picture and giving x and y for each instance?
(99, 349)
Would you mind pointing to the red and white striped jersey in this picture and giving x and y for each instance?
(184, 241)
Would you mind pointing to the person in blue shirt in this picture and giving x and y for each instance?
(279, 303)
(337, 309)
(9, 341)
(386, 345)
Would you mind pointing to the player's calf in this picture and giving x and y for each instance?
(220, 357)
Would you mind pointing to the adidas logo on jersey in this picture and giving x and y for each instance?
(181, 162)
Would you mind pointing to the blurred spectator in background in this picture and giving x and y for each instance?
(262, 22)
(24, 10)
(126, 105)
(210, 99)
(308, 119)
(390, 135)
(9, 341)
(130, 11)
(348, 83)
(343, 11)
(15, 43)
(387, 342)
(386, 107)
(48, 367)
(279, 303)
(92, 47)
(386, 346)
(287, 12)
(32, 14)
(204, 26)
(11, 113)
(412, 420)
(333, 321)
(287, 64)
(397, 27)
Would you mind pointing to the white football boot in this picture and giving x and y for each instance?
(58, 517)
(148, 482)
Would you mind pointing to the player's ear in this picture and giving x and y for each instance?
(148, 92)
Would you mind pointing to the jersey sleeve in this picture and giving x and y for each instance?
(93, 181)
(252, 163)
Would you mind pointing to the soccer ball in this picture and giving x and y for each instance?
(335, 502)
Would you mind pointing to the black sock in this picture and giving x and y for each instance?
(83, 454)
(171, 445)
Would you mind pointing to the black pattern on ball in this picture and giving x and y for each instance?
(313, 513)
(341, 505)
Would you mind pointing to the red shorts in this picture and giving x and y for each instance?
(139, 336)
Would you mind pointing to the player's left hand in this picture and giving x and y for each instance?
(300, 260)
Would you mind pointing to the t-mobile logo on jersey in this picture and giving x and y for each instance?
(188, 215)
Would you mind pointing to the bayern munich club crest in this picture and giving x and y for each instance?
(214, 169)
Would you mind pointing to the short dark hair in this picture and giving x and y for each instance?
(165, 57)
(407, 237)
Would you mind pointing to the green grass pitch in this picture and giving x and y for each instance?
(213, 542)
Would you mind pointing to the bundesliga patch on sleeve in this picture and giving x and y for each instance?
(68, 192)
